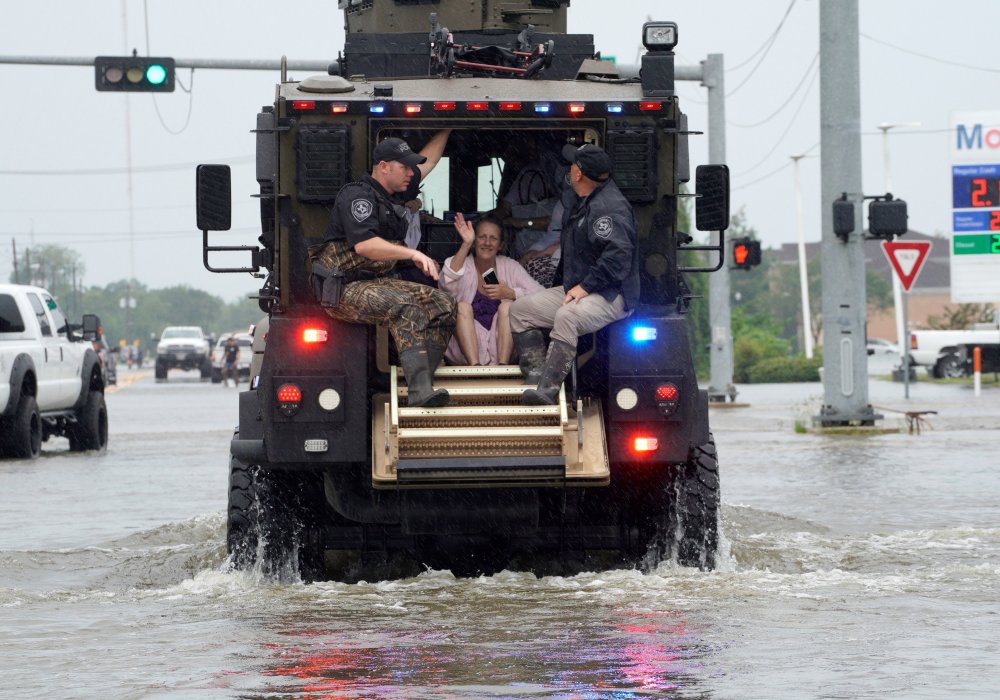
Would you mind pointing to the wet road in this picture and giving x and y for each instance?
(855, 566)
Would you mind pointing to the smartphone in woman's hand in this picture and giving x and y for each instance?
(490, 277)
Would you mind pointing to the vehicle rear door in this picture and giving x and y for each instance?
(70, 354)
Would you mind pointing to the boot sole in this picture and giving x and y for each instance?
(436, 400)
(533, 397)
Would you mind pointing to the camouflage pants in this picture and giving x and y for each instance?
(415, 313)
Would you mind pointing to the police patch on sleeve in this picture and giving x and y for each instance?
(603, 227)
(361, 209)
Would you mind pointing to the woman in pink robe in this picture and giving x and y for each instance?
(482, 331)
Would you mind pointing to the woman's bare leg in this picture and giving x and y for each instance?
(505, 341)
(465, 332)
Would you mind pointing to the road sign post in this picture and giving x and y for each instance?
(906, 259)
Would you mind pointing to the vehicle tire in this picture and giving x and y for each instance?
(22, 435)
(206, 369)
(695, 512)
(91, 429)
(272, 522)
(216, 375)
(160, 371)
(949, 367)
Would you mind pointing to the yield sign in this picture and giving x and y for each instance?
(906, 259)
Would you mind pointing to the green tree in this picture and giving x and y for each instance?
(962, 316)
(56, 268)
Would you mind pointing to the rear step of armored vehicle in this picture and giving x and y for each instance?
(485, 437)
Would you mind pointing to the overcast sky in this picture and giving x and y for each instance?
(63, 146)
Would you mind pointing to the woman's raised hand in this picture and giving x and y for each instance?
(464, 229)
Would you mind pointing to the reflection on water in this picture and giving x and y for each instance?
(855, 566)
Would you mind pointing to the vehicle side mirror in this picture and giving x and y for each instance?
(91, 327)
(711, 207)
(214, 197)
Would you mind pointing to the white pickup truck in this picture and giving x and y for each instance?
(50, 376)
(945, 353)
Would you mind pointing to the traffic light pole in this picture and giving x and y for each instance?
(205, 63)
(845, 355)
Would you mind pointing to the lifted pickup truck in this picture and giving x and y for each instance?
(50, 377)
(948, 353)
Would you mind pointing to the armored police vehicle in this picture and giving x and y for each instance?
(330, 470)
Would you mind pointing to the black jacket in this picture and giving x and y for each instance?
(364, 210)
(600, 249)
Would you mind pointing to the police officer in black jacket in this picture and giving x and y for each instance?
(597, 281)
(365, 240)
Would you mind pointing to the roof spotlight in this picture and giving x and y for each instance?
(659, 36)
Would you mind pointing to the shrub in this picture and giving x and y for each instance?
(785, 369)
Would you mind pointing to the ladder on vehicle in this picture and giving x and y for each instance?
(484, 436)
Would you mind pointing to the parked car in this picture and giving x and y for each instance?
(878, 346)
(108, 357)
(245, 343)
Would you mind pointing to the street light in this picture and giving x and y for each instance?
(897, 289)
(803, 274)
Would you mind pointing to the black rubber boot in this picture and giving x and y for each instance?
(530, 354)
(435, 354)
(418, 379)
(558, 363)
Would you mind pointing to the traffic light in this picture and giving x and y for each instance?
(134, 74)
(746, 253)
(887, 218)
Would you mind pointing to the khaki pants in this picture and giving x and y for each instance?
(545, 310)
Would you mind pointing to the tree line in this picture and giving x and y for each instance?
(60, 270)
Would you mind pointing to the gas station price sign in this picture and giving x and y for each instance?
(976, 187)
(975, 207)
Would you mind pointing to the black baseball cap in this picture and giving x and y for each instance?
(396, 149)
(592, 160)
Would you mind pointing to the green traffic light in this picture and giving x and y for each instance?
(156, 74)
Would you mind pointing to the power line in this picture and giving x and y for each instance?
(929, 57)
(783, 104)
(773, 172)
(791, 123)
(769, 44)
(239, 160)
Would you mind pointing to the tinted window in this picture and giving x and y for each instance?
(10, 315)
(57, 315)
(43, 320)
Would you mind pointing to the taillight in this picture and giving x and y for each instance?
(289, 398)
(314, 335)
(477, 106)
(913, 342)
(510, 106)
(650, 106)
(645, 444)
(445, 106)
(412, 109)
(667, 397)
(301, 105)
(576, 108)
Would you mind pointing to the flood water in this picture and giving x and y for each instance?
(854, 566)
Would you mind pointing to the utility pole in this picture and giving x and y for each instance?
(13, 244)
(845, 355)
(721, 345)
(807, 338)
